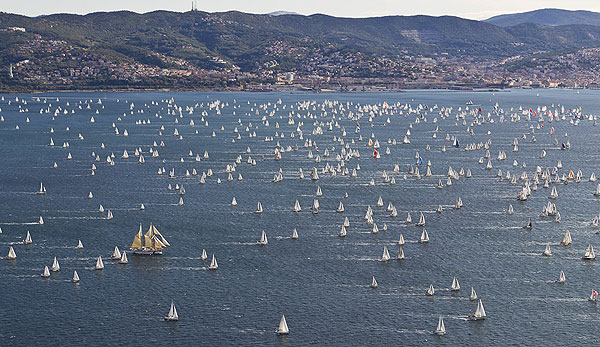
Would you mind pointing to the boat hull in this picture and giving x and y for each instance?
(147, 252)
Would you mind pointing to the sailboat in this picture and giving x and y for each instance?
(479, 313)
(123, 259)
(455, 285)
(213, 264)
(473, 295)
(386, 254)
(46, 272)
(441, 328)
(75, 277)
(561, 277)
(282, 329)
(340, 208)
(430, 291)
(153, 243)
(424, 237)
(589, 253)
(421, 222)
(259, 208)
(11, 253)
(547, 251)
(203, 256)
(42, 190)
(79, 244)
(529, 224)
(116, 254)
(27, 240)
(400, 254)
(263, 239)
(401, 241)
(297, 207)
(343, 231)
(294, 234)
(99, 264)
(172, 316)
(593, 296)
(55, 266)
(109, 215)
(374, 283)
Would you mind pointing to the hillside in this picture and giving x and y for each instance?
(548, 16)
(220, 50)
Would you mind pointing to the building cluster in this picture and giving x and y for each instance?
(306, 65)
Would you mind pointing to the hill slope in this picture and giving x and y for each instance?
(548, 16)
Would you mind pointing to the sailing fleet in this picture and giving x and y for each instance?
(311, 137)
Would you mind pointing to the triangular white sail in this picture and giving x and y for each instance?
(46, 272)
(213, 263)
(116, 253)
(294, 234)
(123, 259)
(455, 285)
(55, 266)
(282, 329)
(374, 283)
(11, 253)
(99, 264)
(28, 238)
(75, 277)
(172, 316)
(263, 238)
(203, 256)
(386, 254)
(561, 277)
(441, 328)
(473, 295)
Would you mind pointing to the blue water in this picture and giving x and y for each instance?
(320, 281)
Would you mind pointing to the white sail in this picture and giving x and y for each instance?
(374, 283)
(401, 241)
(547, 251)
(203, 256)
(294, 234)
(172, 313)
(561, 277)
(589, 253)
(55, 266)
(343, 231)
(46, 272)
(431, 290)
(480, 312)
(28, 238)
(424, 237)
(79, 244)
(263, 238)
(473, 295)
(99, 264)
(75, 277)
(455, 285)
(213, 263)
(233, 202)
(259, 208)
(116, 253)
(400, 254)
(441, 328)
(123, 259)
(11, 253)
(282, 329)
(421, 220)
(386, 254)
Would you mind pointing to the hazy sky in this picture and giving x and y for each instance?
(474, 9)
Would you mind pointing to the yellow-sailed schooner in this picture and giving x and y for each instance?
(150, 243)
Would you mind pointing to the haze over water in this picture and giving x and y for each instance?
(319, 281)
